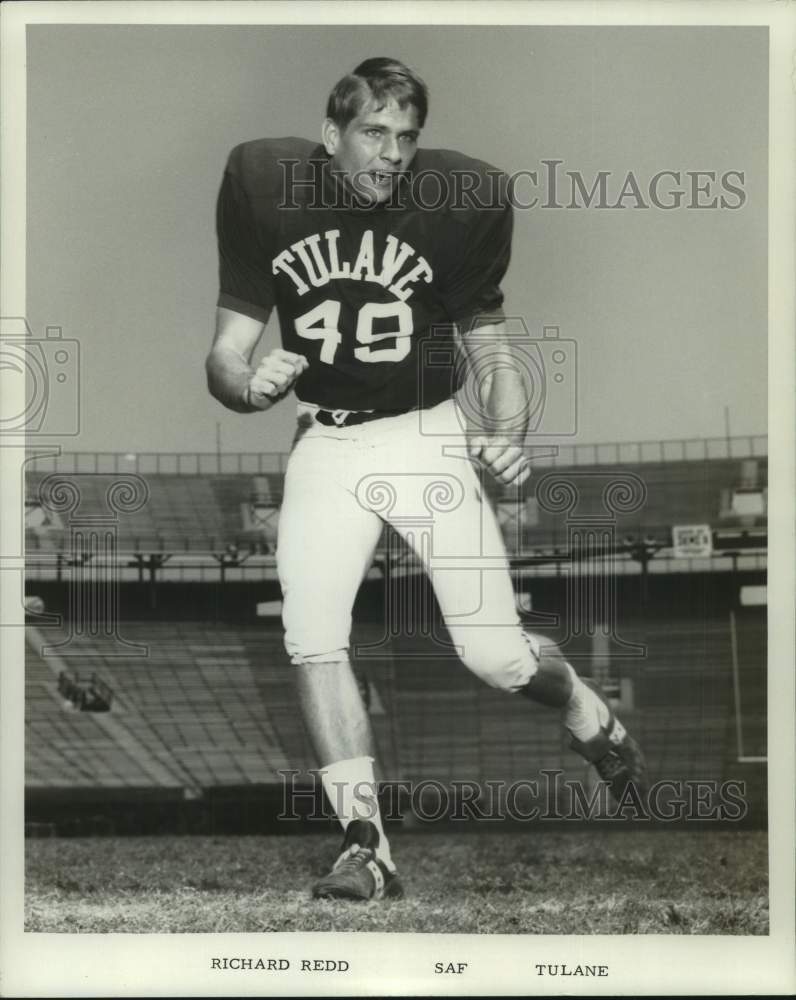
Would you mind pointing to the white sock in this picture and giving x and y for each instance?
(350, 787)
(585, 714)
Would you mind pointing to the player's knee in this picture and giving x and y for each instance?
(299, 659)
(315, 631)
(316, 640)
(507, 664)
(552, 684)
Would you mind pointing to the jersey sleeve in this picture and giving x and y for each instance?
(245, 279)
(471, 289)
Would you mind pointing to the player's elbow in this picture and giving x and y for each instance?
(223, 384)
(212, 375)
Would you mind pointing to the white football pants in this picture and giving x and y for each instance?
(342, 484)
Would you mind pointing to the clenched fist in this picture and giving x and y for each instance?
(506, 460)
(274, 377)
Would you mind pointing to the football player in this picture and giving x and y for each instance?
(371, 249)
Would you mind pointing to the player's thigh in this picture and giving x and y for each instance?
(462, 550)
(325, 543)
(452, 527)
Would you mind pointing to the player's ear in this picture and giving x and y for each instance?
(330, 135)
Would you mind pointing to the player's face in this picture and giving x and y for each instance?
(374, 149)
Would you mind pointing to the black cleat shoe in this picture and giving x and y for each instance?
(358, 873)
(617, 758)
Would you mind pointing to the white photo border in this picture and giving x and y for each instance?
(398, 964)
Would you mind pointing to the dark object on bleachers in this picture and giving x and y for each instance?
(92, 695)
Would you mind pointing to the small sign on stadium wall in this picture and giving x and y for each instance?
(692, 540)
(269, 609)
(754, 596)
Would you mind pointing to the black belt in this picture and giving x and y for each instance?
(345, 418)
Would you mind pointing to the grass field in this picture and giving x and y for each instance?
(535, 882)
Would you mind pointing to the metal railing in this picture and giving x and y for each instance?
(209, 570)
(262, 463)
(185, 463)
(673, 450)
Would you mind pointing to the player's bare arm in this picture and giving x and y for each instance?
(498, 432)
(230, 376)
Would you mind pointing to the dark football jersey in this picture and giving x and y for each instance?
(369, 295)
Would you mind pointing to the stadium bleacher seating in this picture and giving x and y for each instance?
(194, 701)
(65, 748)
(215, 705)
(207, 512)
